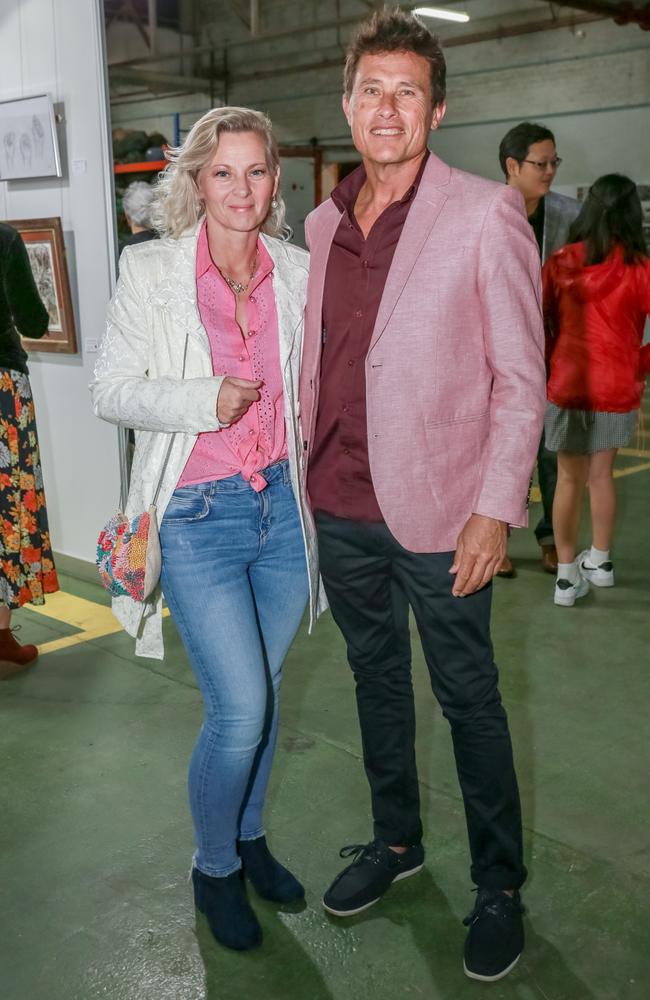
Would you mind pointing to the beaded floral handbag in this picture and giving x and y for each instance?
(128, 555)
(128, 549)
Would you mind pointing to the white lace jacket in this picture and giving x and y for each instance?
(138, 384)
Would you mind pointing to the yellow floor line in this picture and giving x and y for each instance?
(76, 611)
(94, 621)
(634, 452)
(629, 472)
(76, 640)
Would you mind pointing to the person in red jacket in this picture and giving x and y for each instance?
(596, 300)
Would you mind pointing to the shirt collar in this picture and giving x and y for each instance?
(265, 265)
(346, 193)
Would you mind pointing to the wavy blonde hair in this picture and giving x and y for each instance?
(178, 206)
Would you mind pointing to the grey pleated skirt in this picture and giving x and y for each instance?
(586, 431)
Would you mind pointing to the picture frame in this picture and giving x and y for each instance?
(29, 146)
(43, 239)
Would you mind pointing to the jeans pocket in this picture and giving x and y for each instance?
(186, 505)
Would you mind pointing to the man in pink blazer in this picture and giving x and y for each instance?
(422, 398)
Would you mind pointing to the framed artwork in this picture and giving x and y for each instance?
(28, 141)
(43, 239)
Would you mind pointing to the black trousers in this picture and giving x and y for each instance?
(370, 581)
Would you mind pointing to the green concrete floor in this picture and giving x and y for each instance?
(95, 838)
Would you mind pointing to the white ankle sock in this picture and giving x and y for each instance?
(568, 571)
(598, 556)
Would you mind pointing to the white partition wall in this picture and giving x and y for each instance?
(55, 47)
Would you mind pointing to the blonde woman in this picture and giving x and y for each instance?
(220, 297)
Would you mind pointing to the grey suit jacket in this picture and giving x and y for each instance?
(559, 213)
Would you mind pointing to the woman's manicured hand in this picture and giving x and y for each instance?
(235, 396)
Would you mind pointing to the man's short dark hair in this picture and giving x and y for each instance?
(518, 141)
(395, 30)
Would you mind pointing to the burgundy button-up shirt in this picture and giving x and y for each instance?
(339, 480)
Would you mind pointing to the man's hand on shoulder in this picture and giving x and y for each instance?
(479, 552)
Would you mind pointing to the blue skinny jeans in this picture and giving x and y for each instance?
(234, 576)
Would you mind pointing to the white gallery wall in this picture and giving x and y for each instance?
(52, 46)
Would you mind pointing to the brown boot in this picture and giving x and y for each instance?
(549, 559)
(13, 656)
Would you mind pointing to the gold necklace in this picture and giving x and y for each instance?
(238, 286)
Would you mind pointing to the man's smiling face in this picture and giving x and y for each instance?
(390, 110)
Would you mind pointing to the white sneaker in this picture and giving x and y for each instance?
(567, 593)
(600, 576)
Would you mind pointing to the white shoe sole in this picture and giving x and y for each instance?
(360, 909)
(590, 577)
(567, 598)
(490, 979)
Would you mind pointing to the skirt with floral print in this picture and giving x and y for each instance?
(26, 566)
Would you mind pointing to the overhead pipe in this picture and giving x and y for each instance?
(156, 80)
(153, 26)
(255, 18)
(620, 13)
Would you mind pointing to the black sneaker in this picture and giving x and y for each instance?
(364, 882)
(496, 935)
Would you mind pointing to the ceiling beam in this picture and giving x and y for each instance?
(620, 13)
(165, 81)
(494, 34)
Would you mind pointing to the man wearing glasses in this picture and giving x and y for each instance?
(529, 160)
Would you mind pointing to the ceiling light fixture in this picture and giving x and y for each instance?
(444, 15)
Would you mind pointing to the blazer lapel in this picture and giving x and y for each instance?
(419, 222)
(289, 306)
(319, 249)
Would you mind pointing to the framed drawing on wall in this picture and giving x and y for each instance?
(28, 140)
(43, 239)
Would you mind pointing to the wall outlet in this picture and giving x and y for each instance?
(91, 346)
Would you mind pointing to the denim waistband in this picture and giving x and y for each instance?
(274, 474)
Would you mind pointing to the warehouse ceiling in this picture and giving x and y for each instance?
(628, 12)
(158, 47)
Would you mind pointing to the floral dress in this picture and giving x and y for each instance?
(27, 570)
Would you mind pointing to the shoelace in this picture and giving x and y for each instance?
(491, 901)
(360, 852)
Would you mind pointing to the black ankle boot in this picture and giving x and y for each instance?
(269, 878)
(224, 903)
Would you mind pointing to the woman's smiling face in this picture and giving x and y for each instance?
(236, 185)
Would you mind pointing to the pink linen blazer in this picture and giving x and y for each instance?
(455, 376)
